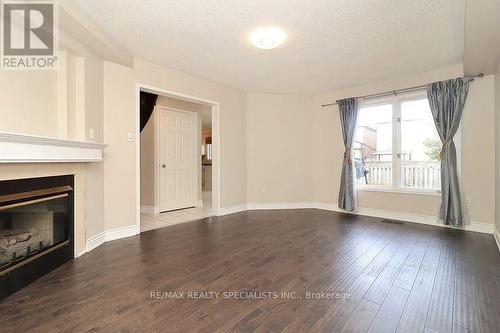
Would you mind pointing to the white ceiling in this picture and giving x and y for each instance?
(331, 43)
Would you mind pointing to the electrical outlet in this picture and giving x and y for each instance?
(91, 134)
(265, 189)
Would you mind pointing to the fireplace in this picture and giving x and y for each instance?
(36, 229)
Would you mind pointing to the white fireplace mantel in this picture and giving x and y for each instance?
(22, 148)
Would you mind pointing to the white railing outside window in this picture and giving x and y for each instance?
(414, 174)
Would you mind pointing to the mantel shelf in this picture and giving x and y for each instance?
(23, 148)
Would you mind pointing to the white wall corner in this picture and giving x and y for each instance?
(496, 234)
(81, 253)
(148, 210)
(94, 242)
(77, 23)
(119, 233)
(232, 209)
(107, 236)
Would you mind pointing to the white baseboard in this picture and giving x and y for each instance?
(385, 214)
(280, 205)
(496, 234)
(106, 236)
(148, 209)
(129, 231)
(408, 217)
(119, 233)
(79, 254)
(232, 209)
(95, 241)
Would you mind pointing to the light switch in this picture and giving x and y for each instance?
(130, 137)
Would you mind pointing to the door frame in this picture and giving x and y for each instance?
(156, 115)
(216, 174)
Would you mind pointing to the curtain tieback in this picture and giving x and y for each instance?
(347, 156)
(446, 143)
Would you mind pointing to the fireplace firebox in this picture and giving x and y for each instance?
(36, 229)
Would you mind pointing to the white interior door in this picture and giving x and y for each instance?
(178, 157)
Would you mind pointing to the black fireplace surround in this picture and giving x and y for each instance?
(36, 229)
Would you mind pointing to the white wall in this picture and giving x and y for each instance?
(119, 154)
(478, 149)
(94, 97)
(28, 102)
(279, 148)
(94, 172)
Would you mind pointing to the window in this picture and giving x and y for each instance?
(396, 145)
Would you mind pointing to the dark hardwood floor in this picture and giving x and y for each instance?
(396, 277)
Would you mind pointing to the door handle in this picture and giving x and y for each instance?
(163, 165)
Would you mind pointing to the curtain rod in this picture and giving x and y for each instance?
(398, 91)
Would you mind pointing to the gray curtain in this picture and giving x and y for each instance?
(447, 100)
(348, 109)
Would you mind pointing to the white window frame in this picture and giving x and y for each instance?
(396, 101)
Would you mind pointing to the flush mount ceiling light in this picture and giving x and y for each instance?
(267, 37)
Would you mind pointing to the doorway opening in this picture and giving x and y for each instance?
(178, 161)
